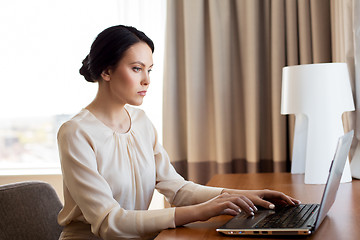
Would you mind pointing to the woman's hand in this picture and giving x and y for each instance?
(264, 198)
(232, 202)
(225, 203)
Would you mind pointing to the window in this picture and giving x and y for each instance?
(42, 46)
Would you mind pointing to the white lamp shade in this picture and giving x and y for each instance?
(318, 95)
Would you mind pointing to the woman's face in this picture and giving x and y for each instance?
(129, 80)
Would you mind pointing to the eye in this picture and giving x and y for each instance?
(149, 70)
(137, 69)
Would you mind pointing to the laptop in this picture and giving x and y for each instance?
(302, 219)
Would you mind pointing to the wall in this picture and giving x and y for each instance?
(54, 180)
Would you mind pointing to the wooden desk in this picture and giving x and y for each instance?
(342, 222)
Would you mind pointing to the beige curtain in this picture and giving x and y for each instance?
(343, 46)
(346, 48)
(222, 82)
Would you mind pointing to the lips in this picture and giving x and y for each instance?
(142, 93)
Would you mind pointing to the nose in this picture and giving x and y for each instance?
(146, 79)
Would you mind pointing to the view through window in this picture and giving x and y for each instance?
(42, 46)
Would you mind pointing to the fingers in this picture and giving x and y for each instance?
(230, 212)
(230, 208)
(234, 202)
(264, 198)
(251, 205)
(239, 203)
(266, 204)
(275, 197)
(287, 199)
(295, 200)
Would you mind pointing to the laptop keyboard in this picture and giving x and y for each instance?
(288, 217)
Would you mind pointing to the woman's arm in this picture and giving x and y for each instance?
(199, 203)
(231, 202)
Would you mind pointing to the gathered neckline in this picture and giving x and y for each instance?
(109, 128)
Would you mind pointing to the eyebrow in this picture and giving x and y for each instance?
(141, 63)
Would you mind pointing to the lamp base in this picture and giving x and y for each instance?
(355, 163)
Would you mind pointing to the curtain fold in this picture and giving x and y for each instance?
(343, 49)
(222, 81)
(346, 37)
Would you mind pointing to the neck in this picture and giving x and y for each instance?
(110, 113)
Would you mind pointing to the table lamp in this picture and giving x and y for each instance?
(318, 95)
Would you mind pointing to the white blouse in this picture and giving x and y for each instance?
(109, 178)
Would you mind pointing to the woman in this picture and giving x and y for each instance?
(112, 161)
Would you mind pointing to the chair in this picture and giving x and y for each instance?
(28, 210)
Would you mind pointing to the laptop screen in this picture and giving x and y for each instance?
(336, 170)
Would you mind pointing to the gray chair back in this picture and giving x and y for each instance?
(28, 210)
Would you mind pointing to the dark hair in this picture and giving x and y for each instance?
(108, 48)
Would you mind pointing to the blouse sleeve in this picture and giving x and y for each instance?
(174, 187)
(90, 196)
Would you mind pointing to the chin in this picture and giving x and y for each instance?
(136, 103)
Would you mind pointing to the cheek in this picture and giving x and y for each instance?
(129, 79)
(124, 81)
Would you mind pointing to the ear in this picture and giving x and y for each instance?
(105, 75)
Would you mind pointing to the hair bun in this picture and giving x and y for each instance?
(109, 48)
(85, 70)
